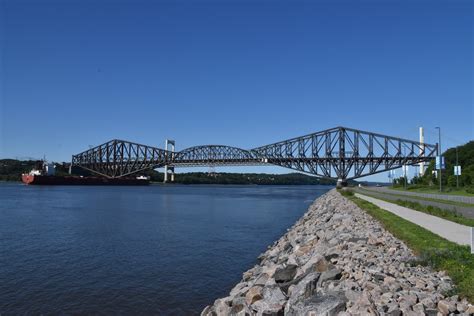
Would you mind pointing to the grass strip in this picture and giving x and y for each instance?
(431, 249)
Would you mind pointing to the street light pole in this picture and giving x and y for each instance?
(457, 171)
(440, 159)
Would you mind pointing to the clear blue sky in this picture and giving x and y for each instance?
(241, 73)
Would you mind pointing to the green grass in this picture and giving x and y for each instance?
(346, 192)
(432, 190)
(423, 198)
(431, 249)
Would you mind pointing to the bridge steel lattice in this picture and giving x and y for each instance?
(339, 153)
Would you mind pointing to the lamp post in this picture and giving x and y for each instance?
(457, 170)
(440, 159)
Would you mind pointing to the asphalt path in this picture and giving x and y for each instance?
(451, 231)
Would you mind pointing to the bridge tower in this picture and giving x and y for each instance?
(169, 145)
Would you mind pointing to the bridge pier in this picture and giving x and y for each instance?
(170, 174)
(341, 183)
(169, 144)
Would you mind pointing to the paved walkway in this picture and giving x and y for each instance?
(451, 231)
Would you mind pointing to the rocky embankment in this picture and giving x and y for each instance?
(337, 260)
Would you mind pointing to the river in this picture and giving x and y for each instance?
(161, 249)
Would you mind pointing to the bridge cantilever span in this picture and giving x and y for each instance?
(345, 153)
(119, 158)
(339, 153)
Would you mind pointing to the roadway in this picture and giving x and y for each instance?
(392, 195)
(440, 196)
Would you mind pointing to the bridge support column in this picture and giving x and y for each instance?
(341, 183)
(169, 174)
(169, 145)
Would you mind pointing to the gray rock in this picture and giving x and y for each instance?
(428, 302)
(316, 263)
(419, 308)
(207, 311)
(445, 307)
(261, 279)
(273, 295)
(333, 274)
(239, 306)
(303, 289)
(393, 310)
(254, 294)
(239, 289)
(264, 308)
(379, 277)
(352, 295)
(332, 253)
(358, 239)
(324, 305)
(285, 274)
(431, 312)
(470, 310)
(221, 307)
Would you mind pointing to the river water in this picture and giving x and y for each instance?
(167, 250)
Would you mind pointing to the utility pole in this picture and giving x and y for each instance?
(405, 176)
(417, 174)
(404, 168)
(440, 159)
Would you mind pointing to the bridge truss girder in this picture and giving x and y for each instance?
(119, 158)
(345, 153)
(338, 153)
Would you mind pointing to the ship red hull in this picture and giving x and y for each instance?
(73, 180)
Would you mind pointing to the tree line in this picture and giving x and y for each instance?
(12, 169)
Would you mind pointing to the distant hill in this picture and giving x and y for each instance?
(11, 170)
(249, 178)
(466, 161)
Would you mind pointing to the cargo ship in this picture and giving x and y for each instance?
(44, 174)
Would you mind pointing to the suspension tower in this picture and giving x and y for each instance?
(169, 145)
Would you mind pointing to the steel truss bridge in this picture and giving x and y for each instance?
(339, 153)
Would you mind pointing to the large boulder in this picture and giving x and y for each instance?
(285, 274)
(303, 289)
(253, 295)
(322, 305)
(333, 274)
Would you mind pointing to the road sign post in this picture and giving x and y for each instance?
(472, 240)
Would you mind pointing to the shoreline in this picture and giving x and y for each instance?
(338, 260)
(208, 184)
